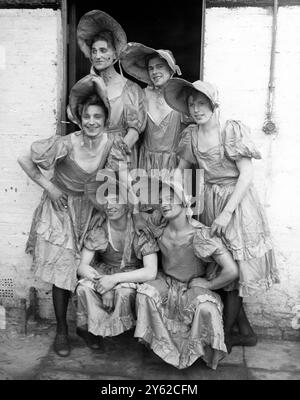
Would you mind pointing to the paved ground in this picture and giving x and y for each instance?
(32, 357)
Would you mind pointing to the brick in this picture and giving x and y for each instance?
(238, 63)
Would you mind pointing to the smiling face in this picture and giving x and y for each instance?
(93, 120)
(102, 55)
(159, 71)
(200, 108)
(170, 204)
(113, 209)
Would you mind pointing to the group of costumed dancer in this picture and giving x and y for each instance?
(176, 279)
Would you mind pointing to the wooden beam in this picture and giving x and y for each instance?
(55, 4)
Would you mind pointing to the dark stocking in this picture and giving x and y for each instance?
(232, 306)
(60, 301)
(244, 324)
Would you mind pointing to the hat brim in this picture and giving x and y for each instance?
(82, 89)
(177, 90)
(94, 22)
(176, 93)
(134, 60)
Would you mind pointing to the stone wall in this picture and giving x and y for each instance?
(237, 59)
(30, 73)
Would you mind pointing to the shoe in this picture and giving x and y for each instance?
(243, 340)
(92, 341)
(61, 345)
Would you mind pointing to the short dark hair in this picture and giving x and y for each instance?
(93, 100)
(155, 55)
(107, 36)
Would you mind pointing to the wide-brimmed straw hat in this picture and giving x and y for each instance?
(177, 90)
(95, 22)
(79, 93)
(134, 60)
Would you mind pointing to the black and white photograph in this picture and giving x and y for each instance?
(150, 185)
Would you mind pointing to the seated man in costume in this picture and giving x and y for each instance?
(178, 315)
(114, 256)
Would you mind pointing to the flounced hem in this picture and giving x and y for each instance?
(194, 350)
(247, 289)
(47, 272)
(113, 327)
(247, 253)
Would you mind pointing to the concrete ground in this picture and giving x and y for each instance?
(31, 357)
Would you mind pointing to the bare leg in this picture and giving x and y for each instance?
(60, 302)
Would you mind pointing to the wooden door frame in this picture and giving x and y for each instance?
(69, 49)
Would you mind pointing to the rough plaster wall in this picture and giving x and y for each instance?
(237, 60)
(29, 71)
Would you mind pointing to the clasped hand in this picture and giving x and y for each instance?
(105, 283)
(199, 282)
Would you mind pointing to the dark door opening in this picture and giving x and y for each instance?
(167, 24)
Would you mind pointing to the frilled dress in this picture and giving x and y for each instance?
(182, 324)
(160, 140)
(248, 235)
(56, 237)
(109, 260)
(127, 111)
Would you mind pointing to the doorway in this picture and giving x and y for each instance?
(166, 24)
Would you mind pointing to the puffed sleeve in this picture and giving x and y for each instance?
(96, 239)
(46, 152)
(205, 246)
(134, 108)
(143, 246)
(185, 147)
(237, 141)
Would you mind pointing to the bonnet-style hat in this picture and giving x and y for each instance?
(177, 90)
(134, 60)
(79, 93)
(95, 22)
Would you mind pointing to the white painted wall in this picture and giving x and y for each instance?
(237, 60)
(30, 66)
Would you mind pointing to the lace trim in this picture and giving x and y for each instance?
(113, 327)
(247, 289)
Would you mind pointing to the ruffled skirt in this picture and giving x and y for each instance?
(179, 324)
(56, 238)
(157, 160)
(247, 237)
(91, 313)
